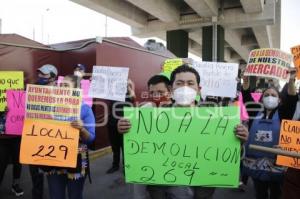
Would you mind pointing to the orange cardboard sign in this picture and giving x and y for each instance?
(49, 143)
(296, 53)
(295, 50)
(297, 64)
(290, 141)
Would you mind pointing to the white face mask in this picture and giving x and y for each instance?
(78, 74)
(184, 95)
(270, 102)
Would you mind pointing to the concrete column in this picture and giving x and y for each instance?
(207, 43)
(178, 42)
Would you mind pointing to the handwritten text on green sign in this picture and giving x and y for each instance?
(182, 146)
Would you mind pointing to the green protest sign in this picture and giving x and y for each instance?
(182, 146)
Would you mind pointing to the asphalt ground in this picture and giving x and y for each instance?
(105, 186)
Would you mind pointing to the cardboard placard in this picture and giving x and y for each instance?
(182, 146)
(269, 62)
(9, 80)
(295, 49)
(171, 64)
(109, 83)
(85, 86)
(51, 102)
(296, 56)
(49, 143)
(217, 78)
(16, 112)
(290, 141)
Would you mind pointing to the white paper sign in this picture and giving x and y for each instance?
(109, 83)
(217, 78)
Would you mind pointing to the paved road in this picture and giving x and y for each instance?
(106, 186)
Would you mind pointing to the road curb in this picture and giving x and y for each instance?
(99, 153)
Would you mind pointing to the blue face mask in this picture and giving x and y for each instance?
(42, 81)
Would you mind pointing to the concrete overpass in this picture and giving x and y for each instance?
(242, 24)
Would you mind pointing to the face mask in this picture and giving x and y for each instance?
(42, 81)
(270, 102)
(147, 105)
(78, 74)
(184, 95)
(159, 100)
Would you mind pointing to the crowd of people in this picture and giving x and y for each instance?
(180, 90)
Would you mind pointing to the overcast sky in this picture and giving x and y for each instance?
(54, 21)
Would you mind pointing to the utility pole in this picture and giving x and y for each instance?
(105, 25)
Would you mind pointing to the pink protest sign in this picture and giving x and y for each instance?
(85, 86)
(16, 112)
(244, 113)
(256, 96)
(59, 80)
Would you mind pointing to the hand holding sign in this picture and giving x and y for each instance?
(293, 73)
(78, 124)
(123, 125)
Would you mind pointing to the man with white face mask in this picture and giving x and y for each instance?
(185, 82)
(264, 128)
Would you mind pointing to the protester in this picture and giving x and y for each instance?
(72, 179)
(291, 184)
(264, 125)
(46, 76)
(79, 70)
(159, 92)
(9, 152)
(185, 87)
(116, 139)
